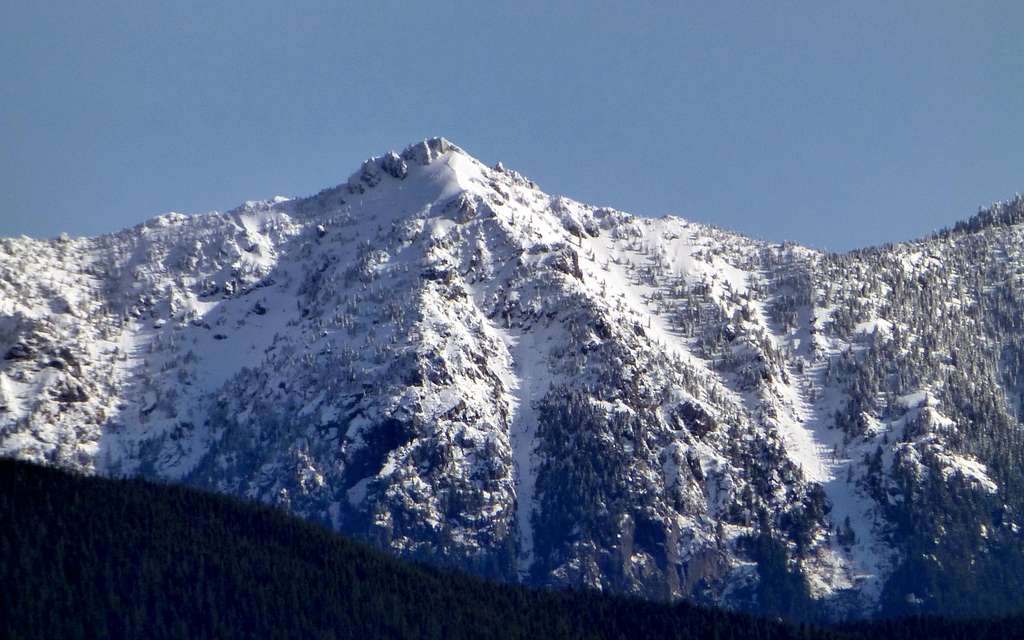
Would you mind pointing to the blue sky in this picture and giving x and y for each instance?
(833, 124)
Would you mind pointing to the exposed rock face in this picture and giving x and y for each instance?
(440, 358)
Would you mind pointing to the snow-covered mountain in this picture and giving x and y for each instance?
(441, 358)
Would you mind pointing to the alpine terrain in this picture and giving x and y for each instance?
(438, 357)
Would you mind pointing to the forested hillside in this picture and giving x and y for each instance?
(94, 558)
(85, 557)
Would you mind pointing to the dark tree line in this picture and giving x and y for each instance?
(95, 558)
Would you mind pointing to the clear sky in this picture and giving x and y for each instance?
(832, 124)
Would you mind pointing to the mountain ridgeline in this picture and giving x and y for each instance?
(439, 358)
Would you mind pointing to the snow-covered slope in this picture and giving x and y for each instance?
(438, 356)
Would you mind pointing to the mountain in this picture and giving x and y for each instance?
(439, 358)
(90, 557)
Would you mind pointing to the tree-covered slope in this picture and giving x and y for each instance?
(85, 557)
(88, 557)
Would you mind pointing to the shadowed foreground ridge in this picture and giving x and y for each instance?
(89, 557)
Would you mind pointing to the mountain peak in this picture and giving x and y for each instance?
(440, 357)
(415, 156)
(428, 149)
